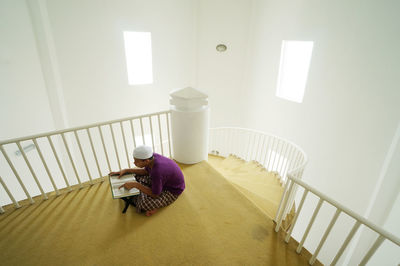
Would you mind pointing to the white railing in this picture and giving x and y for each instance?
(93, 149)
(359, 220)
(273, 153)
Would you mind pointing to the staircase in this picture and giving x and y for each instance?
(211, 223)
(264, 189)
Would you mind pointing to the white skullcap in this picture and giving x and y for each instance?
(142, 152)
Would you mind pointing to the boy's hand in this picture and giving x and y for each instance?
(119, 173)
(129, 185)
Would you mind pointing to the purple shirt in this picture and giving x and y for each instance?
(166, 175)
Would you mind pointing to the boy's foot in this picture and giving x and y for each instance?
(151, 212)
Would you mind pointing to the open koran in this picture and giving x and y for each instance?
(116, 182)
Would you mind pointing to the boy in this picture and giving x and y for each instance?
(159, 179)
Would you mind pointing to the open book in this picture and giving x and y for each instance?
(116, 182)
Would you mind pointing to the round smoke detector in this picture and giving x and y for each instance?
(221, 47)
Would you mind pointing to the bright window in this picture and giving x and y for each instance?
(293, 70)
(138, 57)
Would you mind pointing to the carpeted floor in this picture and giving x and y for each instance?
(211, 223)
(259, 186)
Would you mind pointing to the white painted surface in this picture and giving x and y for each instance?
(345, 123)
(350, 109)
(190, 135)
(382, 203)
(220, 74)
(189, 125)
(90, 47)
(388, 253)
(23, 99)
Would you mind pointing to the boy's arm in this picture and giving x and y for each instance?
(144, 189)
(137, 171)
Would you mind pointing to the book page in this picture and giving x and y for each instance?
(116, 182)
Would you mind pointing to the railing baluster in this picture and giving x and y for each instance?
(159, 130)
(16, 174)
(261, 148)
(83, 156)
(328, 230)
(231, 141)
(248, 146)
(220, 147)
(133, 134)
(123, 138)
(283, 157)
(256, 147)
(346, 243)
(270, 154)
(309, 225)
(71, 160)
(372, 250)
(169, 137)
(295, 161)
(141, 129)
(115, 146)
(94, 152)
(266, 152)
(59, 163)
(289, 162)
(280, 157)
(252, 150)
(31, 170)
(226, 141)
(289, 233)
(235, 141)
(104, 148)
(46, 167)
(16, 204)
(276, 155)
(282, 205)
(151, 132)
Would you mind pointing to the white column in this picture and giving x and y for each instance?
(189, 125)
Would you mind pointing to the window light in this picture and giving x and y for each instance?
(138, 57)
(293, 70)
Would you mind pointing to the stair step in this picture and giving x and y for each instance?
(273, 193)
(266, 206)
(263, 178)
(241, 165)
(263, 184)
(261, 187)
(231, 162)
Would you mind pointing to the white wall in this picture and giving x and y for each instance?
(25, 108)
(220, 75)
(24, 103)
(350, 109)
(383, 205)
(74, 50)
(90, 49)
(388, 253)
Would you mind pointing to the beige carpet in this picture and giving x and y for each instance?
(210, 224)
(259, 186)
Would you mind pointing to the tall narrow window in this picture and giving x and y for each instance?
(293, 70)
(138, 57)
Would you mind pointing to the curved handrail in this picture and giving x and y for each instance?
(360, 220)
(269, 134)
(294, 155)
(298, 168)
(56, 132)
(59, 153)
